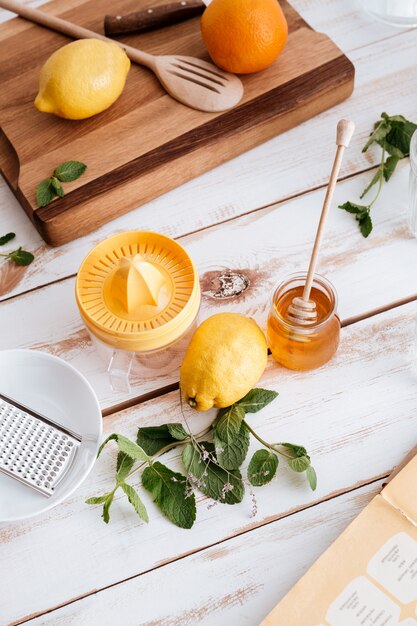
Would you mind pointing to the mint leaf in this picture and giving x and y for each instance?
(106, 507)
(170, 492)
(228, 422)
(21, 257)
(393, 150)
(262, 467)
(97, 499)
(399, 137)
(123, 467)
(127, 446)
(211, 479)
(365, 224)
(135, 501)
(312, 477)
(294, 449)
(362, 216)
(69, 171)
(389, 166)
(231, 454)
(177, 431)
(58, 188)
(351, 207)
(45, 192)
(380, 131)
(256, 400)
(154, 438)
(299, 464)
(6, 238)
(376, 178)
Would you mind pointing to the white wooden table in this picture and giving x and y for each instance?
(356, 415)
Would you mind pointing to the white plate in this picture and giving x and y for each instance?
(52, 387)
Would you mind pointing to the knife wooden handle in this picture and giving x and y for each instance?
(155, 17)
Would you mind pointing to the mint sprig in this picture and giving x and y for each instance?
(19, 256)
(51, 187)
(393, 134)
(212, 467)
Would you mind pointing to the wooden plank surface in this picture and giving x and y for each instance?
(255, 569)
(262, 176)
(148, 143)
(355, 416)
(261, 249)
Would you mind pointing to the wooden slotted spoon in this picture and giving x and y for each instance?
(195, 83)
(302, 310)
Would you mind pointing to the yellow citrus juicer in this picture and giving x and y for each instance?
(139, 295)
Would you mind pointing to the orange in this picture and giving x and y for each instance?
(244, 36)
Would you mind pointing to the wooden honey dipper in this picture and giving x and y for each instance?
(302, 310)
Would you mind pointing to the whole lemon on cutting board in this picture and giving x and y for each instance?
(225, 359)
(244, 36)
(82, 79)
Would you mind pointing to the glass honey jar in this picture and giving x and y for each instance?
(297, 346)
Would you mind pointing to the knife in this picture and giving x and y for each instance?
(151, 18)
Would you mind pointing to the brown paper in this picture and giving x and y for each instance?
(368, 576)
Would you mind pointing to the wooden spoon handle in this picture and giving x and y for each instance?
(155, 17)
(345, 130)
(72, 30)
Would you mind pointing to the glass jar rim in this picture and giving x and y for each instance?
(413, 152)
(318, 280)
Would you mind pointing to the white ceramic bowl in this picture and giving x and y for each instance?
(52, 387)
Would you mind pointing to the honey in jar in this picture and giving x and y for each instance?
(301, 347)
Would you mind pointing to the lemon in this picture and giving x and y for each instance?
(225, 359)
(82, 78)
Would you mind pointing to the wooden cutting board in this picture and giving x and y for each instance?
(146, 143)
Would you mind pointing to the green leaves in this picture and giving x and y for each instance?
(127, 446)
(229, 421)
(19, 256)
(69, 171)
(154, 438)
(135, 501)
(299, 462)
(256, 400)
(231, 453)
(393, 134)
(123, 467)
(171, 493)
(211, 479)
(262, 467)
(51, 187)
(312, 477)
(45, 192)
(106, 507)
(6, 238)
(210, 466)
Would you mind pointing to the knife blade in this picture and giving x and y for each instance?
(153, 17)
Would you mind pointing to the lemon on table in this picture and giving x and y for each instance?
(225, 359)
(82, 79)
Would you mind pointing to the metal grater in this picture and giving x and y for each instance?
(34, 449)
